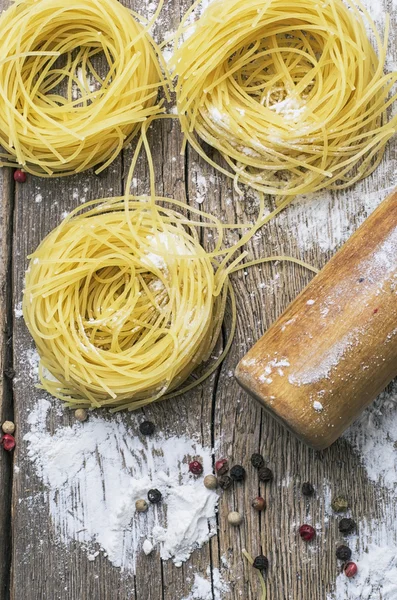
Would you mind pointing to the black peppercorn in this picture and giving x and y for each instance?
(347, 526)
(147, 428)
(307, 489)
(343, 553)
(225, 482)
(154, 496)
(261, 563)
(265, 474)
(257, 461)
(237, 473)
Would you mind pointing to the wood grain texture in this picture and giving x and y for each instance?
(219, 412)
(336, 344)
(6, 371)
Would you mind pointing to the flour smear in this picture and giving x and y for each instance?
(100, 468)
(374, 438)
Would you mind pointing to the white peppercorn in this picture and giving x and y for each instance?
(81, 414)
(8, 427)
(234, 518)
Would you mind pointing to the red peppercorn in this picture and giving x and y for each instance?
(19, 176)
(258, 503)
(8, 442)
(350, 569)
(195, 467)
(307, 532)
(222, 466)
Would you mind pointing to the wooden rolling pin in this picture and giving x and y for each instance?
(335, 347)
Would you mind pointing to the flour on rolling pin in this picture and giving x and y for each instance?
(335, 347)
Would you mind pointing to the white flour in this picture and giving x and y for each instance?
(377, 566)
(204, 589)
(374, 436)
(375, 548)
(100, 468)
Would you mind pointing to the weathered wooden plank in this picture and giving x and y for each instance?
(6, 373)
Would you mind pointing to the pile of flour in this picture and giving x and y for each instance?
(95, 471)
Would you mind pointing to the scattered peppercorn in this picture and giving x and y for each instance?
(8, 442)
(81, 414)
(307, 532)
(307, 489)
(234, 518)
(141, 505)
(154, 496)
(350, 569)
(210, 482)
(261, 563)
(265, 474)
(19, 176)
(195, 467)
(8, 427)
(340, 504)
(347, 526)
(225, 482)
(259, 503)
(237, 473)
(147, 428)
(361, 280)
(257, 461)
(343, 553)
(222, 466)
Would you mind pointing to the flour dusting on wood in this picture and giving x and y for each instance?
(95, 472)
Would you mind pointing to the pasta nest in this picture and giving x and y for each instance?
(123, 304)
(77, 79)
(293, 95)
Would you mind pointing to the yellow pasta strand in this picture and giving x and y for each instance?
(292, 94)
(261, 578)
(58, 114)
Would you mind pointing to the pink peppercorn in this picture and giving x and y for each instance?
(195, 467)
(307, 532)
(8, 442)
(350, 569)
(222, 466)
(19, 176)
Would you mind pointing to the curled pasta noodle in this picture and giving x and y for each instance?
(292, 94)
(77, 80)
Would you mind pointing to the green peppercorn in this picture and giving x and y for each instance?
(340, 504)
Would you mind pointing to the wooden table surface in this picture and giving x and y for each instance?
(33, 564)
